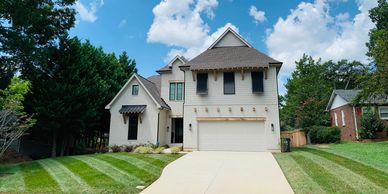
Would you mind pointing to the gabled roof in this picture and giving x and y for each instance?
(168, 67)
(149, 87)
(156, 79)
(231, 57)
(230, 30)
(350, 95)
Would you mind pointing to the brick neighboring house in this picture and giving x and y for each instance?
(347, 116)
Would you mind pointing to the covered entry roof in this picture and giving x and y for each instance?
(132, 109)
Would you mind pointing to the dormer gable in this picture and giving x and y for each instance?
(177, 59)
(230, 38)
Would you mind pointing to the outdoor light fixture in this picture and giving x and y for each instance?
(168, 128)
(190, 126)
(272, 127)
(266, 109)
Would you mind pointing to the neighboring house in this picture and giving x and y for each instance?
(226, 98)
(347, 116)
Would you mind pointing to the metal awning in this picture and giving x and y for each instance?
(132, 109)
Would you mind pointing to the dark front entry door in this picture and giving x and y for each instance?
(132, 126)
(177, 130)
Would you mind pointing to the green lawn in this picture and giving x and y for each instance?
(99, 173)
(339, 168)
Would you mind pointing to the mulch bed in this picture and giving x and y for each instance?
(11, 156)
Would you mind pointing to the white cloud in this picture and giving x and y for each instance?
(179, 24)
(311, 29)
(88, 14)
(258, 16)
(122, 23)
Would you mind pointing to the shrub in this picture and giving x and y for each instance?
(144, 150)
(320, 134)
(104, 150)
(370, 124)
(176, 150)
(159, 150)
(115, 148)
(151, 145)
(128, 148)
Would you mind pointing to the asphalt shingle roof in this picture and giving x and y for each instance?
(230, 57)
(350, 95)
(153, 89)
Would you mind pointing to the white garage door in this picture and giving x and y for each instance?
(231, 136)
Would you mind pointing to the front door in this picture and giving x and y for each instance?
(177, 130)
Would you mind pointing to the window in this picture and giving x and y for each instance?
(229, 87)
(336, 119)
(257, 82)
(176, 91)
(202, 83)
(132, 126)
(343, 117)
(135, 90)
(383, 112)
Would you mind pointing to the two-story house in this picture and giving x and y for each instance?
(224, 99)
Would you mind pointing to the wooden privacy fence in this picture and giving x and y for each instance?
(298, 137)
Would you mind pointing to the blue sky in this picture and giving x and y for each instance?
(152, 31)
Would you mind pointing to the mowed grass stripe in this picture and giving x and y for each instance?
(129, 168)
(115, 173)
(376, 176)
(139, 163)
(37, 179)
(67, 181)
(295, 175)
(326, 180)
(11, 183)
(91, 176)
(356, 181)
(151, 160)
(167, 158)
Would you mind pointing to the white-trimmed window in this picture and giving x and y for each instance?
(383, 112)
(176, 91)
(135, 90)
(343, 117)
(336, 119)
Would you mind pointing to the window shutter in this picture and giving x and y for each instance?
(257, 82)
(202, 83)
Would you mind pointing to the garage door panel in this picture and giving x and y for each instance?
(231, 136)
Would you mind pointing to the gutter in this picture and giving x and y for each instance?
(157, 130)
(355, 122)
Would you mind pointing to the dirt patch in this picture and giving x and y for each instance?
(11, 156)
(4, 174)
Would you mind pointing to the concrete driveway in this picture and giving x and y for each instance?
(222, 172)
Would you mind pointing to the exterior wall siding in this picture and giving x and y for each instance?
(118, 134)
(176, 75)
(244, 98)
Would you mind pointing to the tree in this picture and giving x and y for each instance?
(377, 83)
(13, 120)
(27, 29)
(70, 92)
(128, 64)
(344, 74)
(308, 92)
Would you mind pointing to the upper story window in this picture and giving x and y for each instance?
(343, 117)
(202, 83)
(229, 85)
(336, 119)
(383, 112)
(257, 82)
(135, 90)
(176, 91)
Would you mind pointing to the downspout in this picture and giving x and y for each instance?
(157, 133)
(355, 122)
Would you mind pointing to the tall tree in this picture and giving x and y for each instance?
(377, 83)
(344, 74)
(128, 64)
(70, 91)
(27, 29)
(308, 92)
